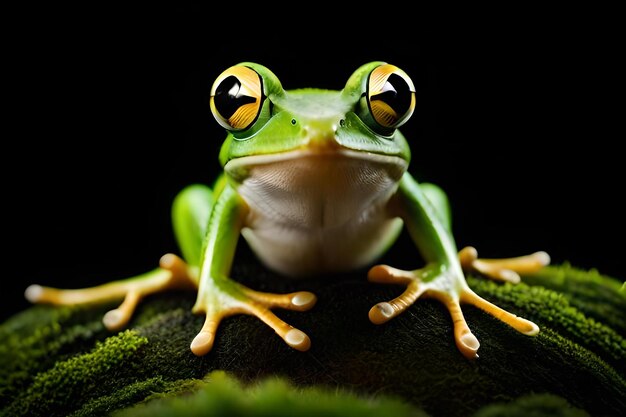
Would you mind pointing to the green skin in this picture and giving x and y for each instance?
(208, 222)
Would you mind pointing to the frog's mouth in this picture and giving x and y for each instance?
(297, 165)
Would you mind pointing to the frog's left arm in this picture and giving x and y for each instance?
(425, 213)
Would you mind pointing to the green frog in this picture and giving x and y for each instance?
(316, 182)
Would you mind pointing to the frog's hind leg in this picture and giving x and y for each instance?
(507, 269)
(190, 215)
(172, 273)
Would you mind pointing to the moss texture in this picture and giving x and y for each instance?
(61, 361)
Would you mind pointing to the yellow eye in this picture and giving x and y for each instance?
(237, 97)
(390, 96)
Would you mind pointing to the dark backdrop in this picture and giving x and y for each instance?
(109, 119)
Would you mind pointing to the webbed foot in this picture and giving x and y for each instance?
(450, 288)
(227, 297)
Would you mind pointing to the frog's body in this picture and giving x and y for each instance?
(316, 181)
(301, 200)
(320, 197)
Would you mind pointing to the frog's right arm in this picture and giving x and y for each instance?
(219, 296)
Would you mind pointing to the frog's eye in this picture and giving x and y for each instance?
(237, 97)
(390, 96)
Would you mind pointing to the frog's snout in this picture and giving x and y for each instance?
(321, 135)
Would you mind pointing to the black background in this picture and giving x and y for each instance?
(108, 119)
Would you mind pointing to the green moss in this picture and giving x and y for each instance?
(583, 360)
(540, 405)
(225, 396)
(136, 393)
(127, 396)
(554, 309)
(598, 296)
(222, 395)
(35, 339)
(77, 377)
(58, 361)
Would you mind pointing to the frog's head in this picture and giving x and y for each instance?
(262, 118)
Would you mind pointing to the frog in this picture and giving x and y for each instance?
(317, 183)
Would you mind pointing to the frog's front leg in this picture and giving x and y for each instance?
(442, 278)
(219, 296)
(196, 215)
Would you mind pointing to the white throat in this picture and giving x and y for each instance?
(317, 211)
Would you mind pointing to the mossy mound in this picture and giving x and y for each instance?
(61, 361)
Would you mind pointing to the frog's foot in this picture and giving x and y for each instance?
(441, 285)
(226, 298)
(173, 273)
(506, 270)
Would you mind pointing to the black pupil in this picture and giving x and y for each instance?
(228, 97)
(397, 94)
